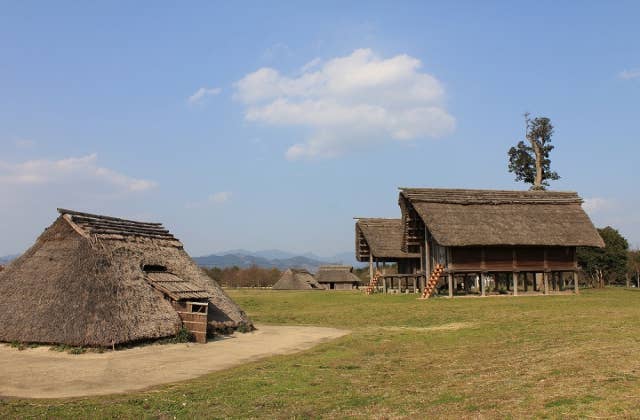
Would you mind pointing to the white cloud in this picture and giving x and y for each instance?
(597, 205)
(220, 197)
(214, 199)
(310, 65)
(629, 74)
(68, 171)
(201, 93)
(348, 102)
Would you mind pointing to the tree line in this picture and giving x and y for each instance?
(253, 276)
(613, 264)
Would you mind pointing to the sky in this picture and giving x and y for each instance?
(262, 125)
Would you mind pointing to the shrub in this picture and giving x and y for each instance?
(183, 336)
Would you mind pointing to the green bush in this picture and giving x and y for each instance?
(183, 336)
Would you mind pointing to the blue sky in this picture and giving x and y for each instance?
(254, 125)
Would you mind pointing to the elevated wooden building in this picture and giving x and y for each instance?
(495, 234)
(378, 242)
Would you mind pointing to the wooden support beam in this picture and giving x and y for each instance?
(427, 253)
(450, 278)
(370, 268)
(545, 277)
(483, 288)
(515, 283)
(576, 288)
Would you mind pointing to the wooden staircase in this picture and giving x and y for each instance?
(373, 284)
(433, 281)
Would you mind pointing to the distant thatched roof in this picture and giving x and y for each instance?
(297, 279)
(458, 217)
(383, 238)
(336, 274)
(82, 283)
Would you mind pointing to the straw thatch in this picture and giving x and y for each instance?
(336, 274)
(457, 217)
(382, 238)
(297, 279)
(84, 283)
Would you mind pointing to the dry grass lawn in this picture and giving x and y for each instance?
(559, 356)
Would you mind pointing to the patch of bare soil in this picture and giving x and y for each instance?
(41, 373)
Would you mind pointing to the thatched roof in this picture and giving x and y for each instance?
(460, 217)
(80, 287)
(297, 279)
(336, 274)
(106, 227)
(381, 237)
(175, 287)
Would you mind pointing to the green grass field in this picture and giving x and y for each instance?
(558, 356)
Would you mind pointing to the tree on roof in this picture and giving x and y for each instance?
(530, 161)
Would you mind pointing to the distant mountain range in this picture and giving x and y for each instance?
(272, 258)
(7, 259)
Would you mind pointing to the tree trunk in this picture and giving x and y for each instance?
(537, 185)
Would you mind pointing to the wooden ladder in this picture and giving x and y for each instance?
(433, 281)
(373, 284)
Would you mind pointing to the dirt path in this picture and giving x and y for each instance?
(41, 373)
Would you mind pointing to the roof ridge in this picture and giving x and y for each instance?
(100, 216)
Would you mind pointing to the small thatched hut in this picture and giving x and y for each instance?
(380, 241)
(297, 279)
(93, 280)
(498, 234)
(337, 277)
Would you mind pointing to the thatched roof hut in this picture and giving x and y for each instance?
(460, 217)
(297, 279)
(382, 239)
(92, 280)
(337, 277)
(465, 232)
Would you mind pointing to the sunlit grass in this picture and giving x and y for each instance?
(552, 356)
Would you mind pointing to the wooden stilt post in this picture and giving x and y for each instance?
(450, 277)
(370, 268)
(427, 254)
(415, 285)
(515, 283)
(482, 284)
(546, 282)
(576, 288)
